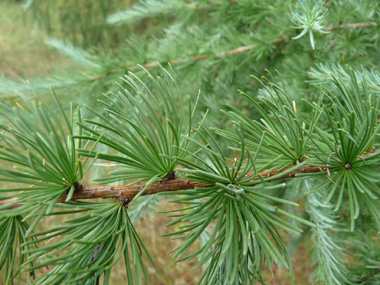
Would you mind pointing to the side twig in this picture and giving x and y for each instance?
(236, 50)
(368, 277)
(129, 192)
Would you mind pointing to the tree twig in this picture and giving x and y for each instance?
(368, 277)
(129, 192)
(92, 192)
(8, 201)
(236, 50)
(350, 26)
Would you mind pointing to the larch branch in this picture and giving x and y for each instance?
(368, 277)
(129, 192)
(350, 26)
(233, 51)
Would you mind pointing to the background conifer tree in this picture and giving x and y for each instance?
(159, 105)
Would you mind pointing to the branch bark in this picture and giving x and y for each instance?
(236, 50)
(350, 26)
(129, 192)
(368, 277)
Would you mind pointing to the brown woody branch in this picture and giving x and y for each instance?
(129, 192)
(90, 192)
(368, 277)
(8, 201)
(350, 26)
(236, 50)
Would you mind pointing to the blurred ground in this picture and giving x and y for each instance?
(22, 49)
(23, 54)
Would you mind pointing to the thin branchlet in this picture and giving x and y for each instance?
(170, 183)
(165, 185)
(237, 50)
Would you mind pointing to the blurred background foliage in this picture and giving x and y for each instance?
(213, 46)
(83, 47)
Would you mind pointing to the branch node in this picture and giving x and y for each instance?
(78, 187)
(123, 201)
(169, 176)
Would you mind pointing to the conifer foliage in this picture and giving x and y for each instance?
(292, 158)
